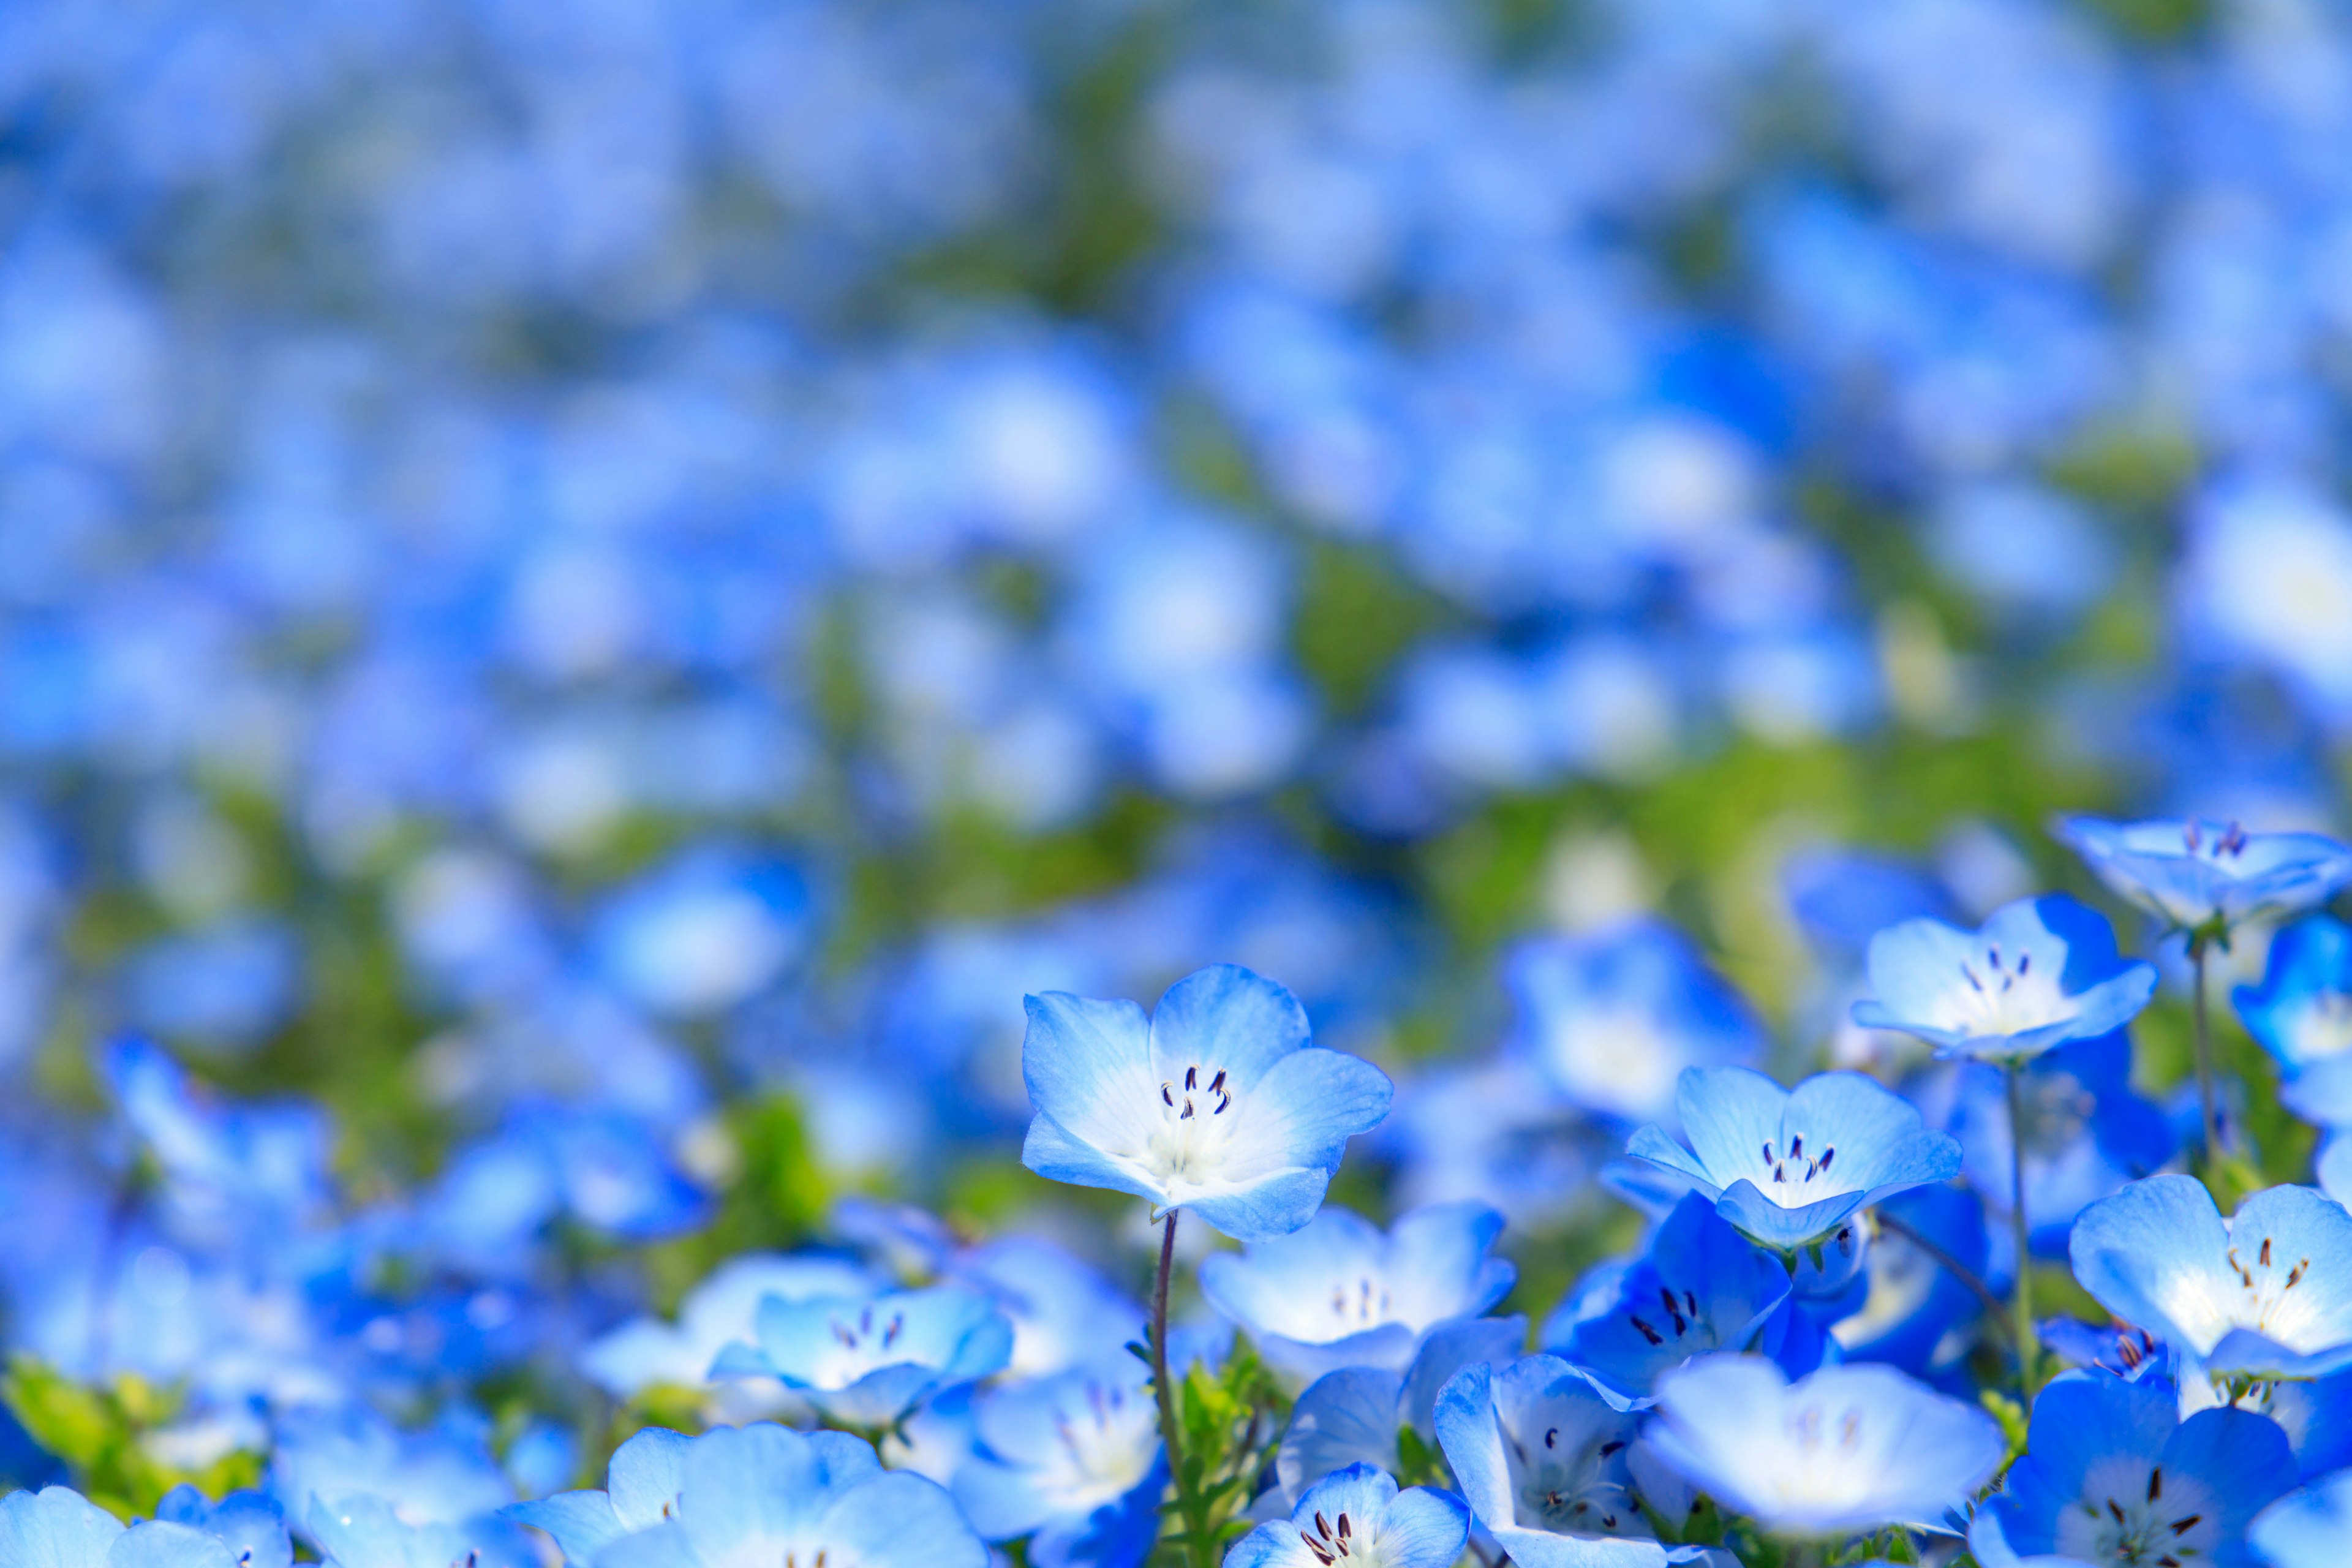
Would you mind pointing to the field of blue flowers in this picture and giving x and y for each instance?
(1175, 784)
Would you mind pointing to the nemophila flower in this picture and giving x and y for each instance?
(646, 1352)
(362, 1530)
(2266, 1292)
(2308, 1528)
(1337, 1293)
(251, 1525)
(443, 1474)
(57, 1528)
(1611, 1017)
(1845, 1450)
(1070, 1461)
(1358, 1518)
(1216, 1103)
(1912, 1304)
(2085, 1132)
(2200, 876)
(2039, 972)
(1063, 1313)
(2128, 1351)
(1789, 1168)
(641, 1489)
(2301, 1015)
(1700, 1286)
(1354, 1416)
(866, 1361)
(1541, 1454)
(766, 1495)
(2114, 1477)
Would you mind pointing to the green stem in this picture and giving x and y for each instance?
(2022, 1302)
(2204, 1053)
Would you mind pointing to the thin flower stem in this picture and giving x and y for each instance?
(2021, 1232)
(2204, 1052)
(1993, 1305)
(1171, 1433)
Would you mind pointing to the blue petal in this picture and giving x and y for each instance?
(154, 1545)
(2146, 1245)
(2243, 1458)
(1088, 1068)
(1729, 1114)
(1424, 1528)
(1225, 1018)
(1344, 1418)
(1473, 1444)
(54, 1528)
(901, 1520)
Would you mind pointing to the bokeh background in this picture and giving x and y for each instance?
(590, 593)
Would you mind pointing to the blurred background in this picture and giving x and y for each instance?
(590, 593)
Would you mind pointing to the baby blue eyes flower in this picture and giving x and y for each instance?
(2040, 972)
(2301, 1015)
(1357, 1517)
(1338, 1293)
(1789, 1168)
(865, 1363)
(2209, 877)
(2268, 1292)
(641, 1490)
(2307, 1530)
(1353, 1415)
(1216, 1103)
(2114, 1477)
(57, 1528)
(1846, 1450)
(646, 1352)
(1072, 1461)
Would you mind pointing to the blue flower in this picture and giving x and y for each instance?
(1359, 1518)
(1071, 1461)
(1913, 1302)
(2268, 1292)
(1540, 1453)
(1701, 1287)
(57, 1528)
(1337, 1293)
(2087, 1133)
(1216, 1104)
(252, 1525)
(770, 1495)
(2301, 1013)
(1789, 1167)
(2209, 877)
(1612, 1017)
(2112, 1475)
(1846, 1450)
(2041, 972)
(866, 1361)
(1063, 1313)
(359, 1529)
(2307, 1530)
(1354, 1415)
(641, 1489)
(646, 1352)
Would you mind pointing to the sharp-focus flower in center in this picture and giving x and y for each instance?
(1356, 1517)
(865, 1362)
(1846, 1450)
(2209, 877)
(1216, 1103)
(1338, 1293)
(1789, 1167)
(1073, 1463)
(2040, 971)
(2267, 1292)
(2301, 1015)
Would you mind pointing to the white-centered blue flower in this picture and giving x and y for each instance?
(646, 1352)
(866, 1361)
(1354, 1416)
(2266, 1292)
(641, 1489)
(1357, 1517)
(1789, 1167)
(1216, 1103)
(2039, 972)
(1846, 1450)
(1337, 1293)
(1070, 1461)
(2308, 1528)
(2113, 1478)
(56, 1526)
(2197, 875)
(2301, 1015)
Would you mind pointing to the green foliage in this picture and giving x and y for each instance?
(1230, 1421)
(102, 1435)
(2010, 1412)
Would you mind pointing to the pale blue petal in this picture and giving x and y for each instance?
(1424, 1528)
(1447, 1350)
(1651, 1144)
(1473, 1444)
(153, 1545)
(1273, 1205)
(1344, 1418)
(646, 1474)
(1087, 1064)
(902, 1520)
(1225, 1018)
(56, 1527)
(2158, 1243)
(1729, 1114)
(582, 1523)
(1057, 1153)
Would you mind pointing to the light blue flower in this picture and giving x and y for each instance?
(251, 1523)
(2112, 1475)
(1846, 1450)
(2268, 1292)
(641, 1489)
(1611, 1017)
(2301, 1013)
(2199, 875)
(2307, 1530)
(1359, 1518)
(1070, 1461)
(1912, 1302)
(56, 1526)
(362, 1530)
(1789, 1167)
(646, 1352)
(1540, 1453)
(1337, 1293)
(1216, 1103)
(1064, 1312)
(783, 1499)
(866, 1361)
(2040, 971)
(1354, 1416)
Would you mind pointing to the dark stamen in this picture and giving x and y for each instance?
(1649, 1334)
(2183, 1526)
(1612, 1447)
(2155, 1483)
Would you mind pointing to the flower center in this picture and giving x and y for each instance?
(2227, 844)
(1564, 1485)
(857, 1345)
(2005, 995)
(2139, 1527)
(1675, 1317)
(2269, 1282)
(1365, 1304)
(1330, 1541)
(1102, 1444)
(1196, 1121)
(1790, 1170)
(2322, 1025)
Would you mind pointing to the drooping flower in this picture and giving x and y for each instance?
(2040, 971)
(2307, 1530)
(1071, 1461)
(1354, 1416)
(865, 1362)
(1216, 1103)
(2114, 1477)
(2199, 875)
(2268, 1292)
(1337, 1293)
(641, 1489)
(1843, 1451)
(1789, 1168)
(2301, 1015)
(1357, 1517)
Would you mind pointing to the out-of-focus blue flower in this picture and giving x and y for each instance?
(225, 988)
(2200, 876)
(762, 1493)
(1845, 1450)
(1912, 1304)
(2308, 1528)
(2301, 1013)
(1216, 1103)
(251, 1525)
(1358, 1515)
(1789, 1167)
(1354, 1415)
(57, 1528)
(359, 1529)
(2112, 1474)
(641, 1489)
(2040, 972)
(2031, 554)
(1842, 898)
(1337, 1293)
(438, 1476)
(706, 933)
(2268, 1292)
(1072, 1461)
(1540, 1456)
(1613, 1017)
(2087, 1133)
(608, 1171)
(646, 1352)
(1063, 1312)
(1498, 1133)
(866, 1361)
(2267, 578)
(1701, 1287)
(231, 1169)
